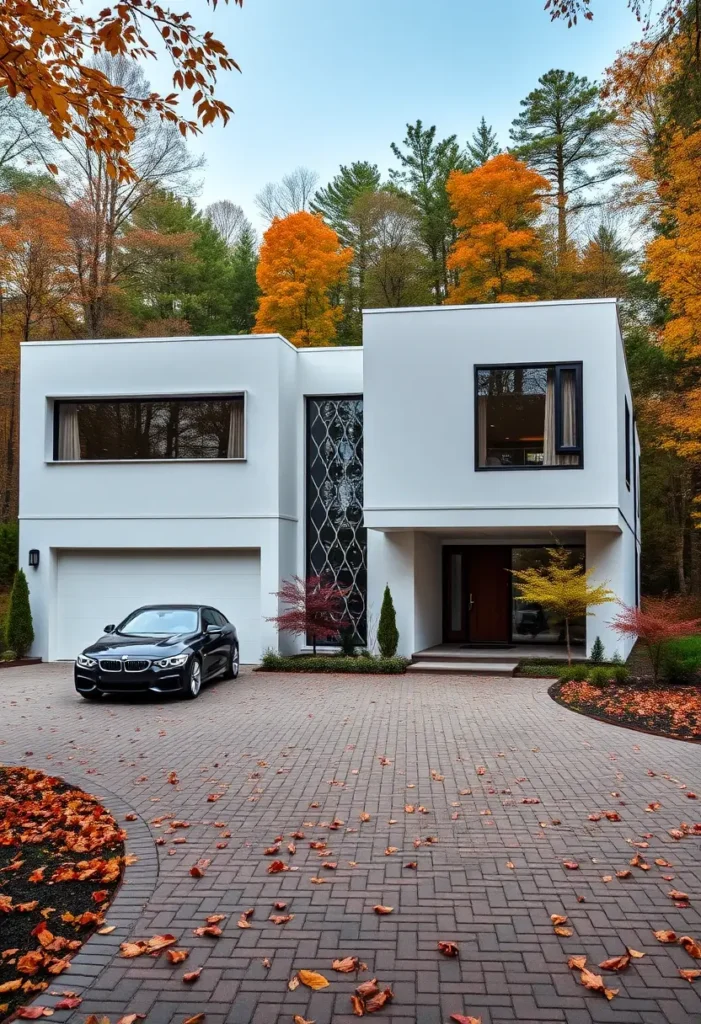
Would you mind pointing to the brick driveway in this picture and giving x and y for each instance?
(275, 745)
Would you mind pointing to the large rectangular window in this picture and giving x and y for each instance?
(529, 417)
(116, 429)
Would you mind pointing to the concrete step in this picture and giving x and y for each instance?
(471, 668)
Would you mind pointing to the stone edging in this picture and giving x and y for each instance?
(137, 885)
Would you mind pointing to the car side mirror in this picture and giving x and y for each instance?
(110, 628)
(214, 629)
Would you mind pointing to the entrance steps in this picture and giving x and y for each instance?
(459, 661)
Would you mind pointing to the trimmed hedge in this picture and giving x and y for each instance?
(331, 663)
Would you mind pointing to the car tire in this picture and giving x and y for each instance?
(192, 686)
(234, 663)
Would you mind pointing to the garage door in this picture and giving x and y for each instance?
(97, 587)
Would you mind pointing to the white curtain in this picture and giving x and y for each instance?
(68, 433)
(482, 429)
(569, 421)
(234, 448)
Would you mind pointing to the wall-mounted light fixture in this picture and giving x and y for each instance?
(34, 558)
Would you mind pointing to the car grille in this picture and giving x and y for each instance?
(110, 666)
(136, 665)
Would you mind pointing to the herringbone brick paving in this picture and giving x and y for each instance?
(273, 746)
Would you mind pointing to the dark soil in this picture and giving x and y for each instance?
(54, 899)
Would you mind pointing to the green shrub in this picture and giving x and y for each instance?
(273, 662)
(599, 676)
(616, 659)
(597, 652)
(387, 632)
(19, 631)
(620, 674)
(540, 670)
(9, 547)
(8, 656)
(346, 637)
(679, 670)
(574, 673)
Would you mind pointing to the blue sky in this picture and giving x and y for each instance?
(326, 82)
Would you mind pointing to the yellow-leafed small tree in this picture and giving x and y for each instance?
(561, 588)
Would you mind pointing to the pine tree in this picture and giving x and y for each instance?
(244, 287)
(425, 168)
(335, 202)
(597, 651)
(19, 632)
(338, 204)
(561, 132)
(387, 632)
(483, 145)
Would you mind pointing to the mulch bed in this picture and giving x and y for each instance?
(61, 860)
(673, 711)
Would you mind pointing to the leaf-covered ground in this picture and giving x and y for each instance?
(667, 710)
(61, 859)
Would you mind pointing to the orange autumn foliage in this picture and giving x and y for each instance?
(301, 260)
(674, 259)
(45, 47)
(498, 248)
(34, 270)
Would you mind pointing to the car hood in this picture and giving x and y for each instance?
(112, 645)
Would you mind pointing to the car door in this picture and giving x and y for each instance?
(216, 647)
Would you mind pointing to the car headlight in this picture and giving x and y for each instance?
(177, 661)
(85, 662)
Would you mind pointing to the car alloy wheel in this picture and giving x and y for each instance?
(235, 663)
(195, 678)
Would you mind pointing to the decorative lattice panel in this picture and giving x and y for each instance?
(336, 536)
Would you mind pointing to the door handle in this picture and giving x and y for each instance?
(469, 607)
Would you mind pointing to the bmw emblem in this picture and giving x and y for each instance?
(125, 657)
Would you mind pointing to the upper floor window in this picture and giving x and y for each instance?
(149, 428)
(627, 436)
(529, 417)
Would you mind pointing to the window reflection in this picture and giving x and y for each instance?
(531, 623)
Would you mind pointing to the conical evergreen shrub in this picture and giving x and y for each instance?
(19, 631)
(387, 632)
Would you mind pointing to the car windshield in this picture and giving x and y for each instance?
(160, 622)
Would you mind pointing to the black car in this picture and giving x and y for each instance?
(169, 648)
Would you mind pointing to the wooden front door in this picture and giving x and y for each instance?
(476, 594)
(489, 599)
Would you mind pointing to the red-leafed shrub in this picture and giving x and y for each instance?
(315, 608)
(659, 621)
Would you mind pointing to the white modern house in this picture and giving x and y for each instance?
(456, 444)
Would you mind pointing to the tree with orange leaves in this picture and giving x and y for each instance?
(674, 258)
(34, 268)
(498, 248)
(43, 49)
(301, 260)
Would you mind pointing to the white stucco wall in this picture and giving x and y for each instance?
(258, 503)
(420, 415)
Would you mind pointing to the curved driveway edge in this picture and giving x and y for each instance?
(132, 896)
(509, 780)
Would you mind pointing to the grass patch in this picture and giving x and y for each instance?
(363, 664)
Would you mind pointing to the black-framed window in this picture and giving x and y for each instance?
(336, 538)
(529, 416)
(121, 429)
(627, 441)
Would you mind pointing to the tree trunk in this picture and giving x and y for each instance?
(567, 637)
